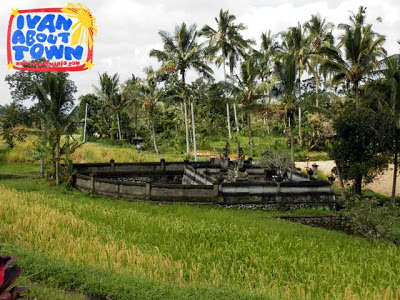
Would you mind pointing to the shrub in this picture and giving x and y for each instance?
(370, 217)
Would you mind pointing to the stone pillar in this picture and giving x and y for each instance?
(162, 163)
(112, 165)
(216, 190)
(148, 190)
(92, 182)
(250, 161)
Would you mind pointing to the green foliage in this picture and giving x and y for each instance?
(13, 115)
(23, 85)
(371, 217)
(362, 144)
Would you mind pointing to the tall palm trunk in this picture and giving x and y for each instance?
(250, 132)
(41, 167)
(236, 118)
(300, 113)
(357, 92)
(291, 139)
(228, 118)
(316, 88)
(153, 133)
(234, 109)
(194, 132)
(57, 161)
(396, 162)
(185, 112)
(119, 128)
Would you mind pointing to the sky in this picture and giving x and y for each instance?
(128, 29)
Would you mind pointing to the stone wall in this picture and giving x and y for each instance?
(150, 167)
(147, 191)
(199, 186)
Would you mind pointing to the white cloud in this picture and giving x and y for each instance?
(128, 29)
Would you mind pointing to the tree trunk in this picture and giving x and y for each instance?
(236, 118)
(357, 95)
(136, 124)
(357, 184)
(119, 128)
(57, 169)
(153, 133)
(41, 167)
(396, 162)
(185, 111)
(250, 132)
(228, 119)
(316, 90)
(300, 129)
(291, 139)
(194, 132)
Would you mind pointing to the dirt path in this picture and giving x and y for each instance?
(382, 184)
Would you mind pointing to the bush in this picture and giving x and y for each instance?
(370, 217)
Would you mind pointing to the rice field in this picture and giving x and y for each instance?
(88, 152)
(245, 254)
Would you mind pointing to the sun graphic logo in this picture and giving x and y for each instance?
(51, 39)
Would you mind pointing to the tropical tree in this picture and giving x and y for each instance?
(265, 58)
(285, 70)
(248, 89)
(386, 91)
(295, 41)
(131, 93)
(108, 92)
(319, 33)
(362, 48)
(226, 44)
(181, 53)
(151, 97)
(54, 103)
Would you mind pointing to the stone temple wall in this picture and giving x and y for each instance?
(199, 185)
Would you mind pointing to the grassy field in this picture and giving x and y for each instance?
(103, 151)
(134, 250)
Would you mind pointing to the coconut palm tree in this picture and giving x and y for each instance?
(362, 48)
(226, 44)
(295, 41)
(181, 53)
(319, 33)
(108, 93)
(116, 105)
(248, 90)
(265, 58)
(285, 70)
(151, 98)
